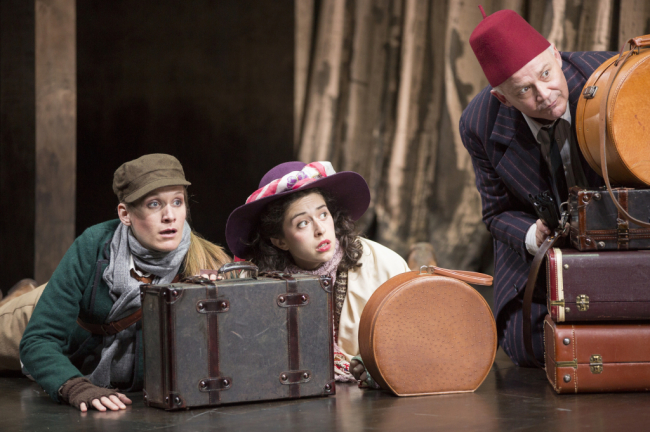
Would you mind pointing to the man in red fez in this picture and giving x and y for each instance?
(519, 132)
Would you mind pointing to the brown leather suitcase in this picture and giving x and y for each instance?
(423, 333)
(237, 340)
(598, 286)
(596, 223)
(584, 358)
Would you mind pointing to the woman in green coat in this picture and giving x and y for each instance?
(83, 341)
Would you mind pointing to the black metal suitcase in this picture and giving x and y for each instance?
(597, 225)
(237, 340)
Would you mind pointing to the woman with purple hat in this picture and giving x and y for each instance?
(301, 220)
(83, 340)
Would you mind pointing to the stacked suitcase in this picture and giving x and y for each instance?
(597, 332)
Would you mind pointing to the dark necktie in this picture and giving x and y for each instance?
(558, 178)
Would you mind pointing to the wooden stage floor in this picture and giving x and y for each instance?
(510, 399)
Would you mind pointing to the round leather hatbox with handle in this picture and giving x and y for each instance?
(623, 84)
(428, 332)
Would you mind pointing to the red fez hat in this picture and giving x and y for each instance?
(503, 43)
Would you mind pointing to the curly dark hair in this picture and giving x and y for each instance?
(268, 257)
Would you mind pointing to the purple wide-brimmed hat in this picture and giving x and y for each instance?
(349, 190)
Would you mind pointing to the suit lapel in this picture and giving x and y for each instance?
(521, 166)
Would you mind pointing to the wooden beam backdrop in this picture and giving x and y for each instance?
(56, 132)
(386, 84)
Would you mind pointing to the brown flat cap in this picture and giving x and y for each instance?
(136, 178)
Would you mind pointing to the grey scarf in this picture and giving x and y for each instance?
(118, 352)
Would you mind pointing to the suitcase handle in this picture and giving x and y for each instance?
(240, 265)
(234, 266)
(465, 276)
(640, 41)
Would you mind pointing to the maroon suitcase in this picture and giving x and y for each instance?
(598, 357)
(598, 286)
(596, 223)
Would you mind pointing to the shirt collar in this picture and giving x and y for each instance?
(536, 126)
(138, 272)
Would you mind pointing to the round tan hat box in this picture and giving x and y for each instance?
(422, 334)
(628, 119)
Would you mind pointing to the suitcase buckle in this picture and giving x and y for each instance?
(582, 301)
(590, 92)
(623, 234)
(596, 364)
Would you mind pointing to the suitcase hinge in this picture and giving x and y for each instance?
(557, 303)
(596, 364)
(572, 364)
(582, 301)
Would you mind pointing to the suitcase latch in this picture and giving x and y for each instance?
(596, 364)
(590, 92)
(557, 303)
(582, 301)
(623, 234)
(572, 364)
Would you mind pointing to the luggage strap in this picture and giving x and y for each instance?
(111, 328)
(530, 287)
(641, 41)
(465, 276)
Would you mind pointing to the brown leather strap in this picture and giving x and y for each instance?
(111, 328)
(466, 276)
(530, 288)
(213, 343)
(115, 327)
(618, 65)
(292, 330)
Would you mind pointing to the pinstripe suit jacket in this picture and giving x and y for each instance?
(508, 166)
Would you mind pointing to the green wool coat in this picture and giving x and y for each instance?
(54, 348)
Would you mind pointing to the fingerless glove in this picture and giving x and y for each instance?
(80, 390)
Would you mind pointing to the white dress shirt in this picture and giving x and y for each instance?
(573, 172)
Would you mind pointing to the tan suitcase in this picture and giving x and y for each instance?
(422, 333)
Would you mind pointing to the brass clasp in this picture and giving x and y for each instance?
(582, 301)
(596, 364)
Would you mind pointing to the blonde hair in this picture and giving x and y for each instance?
(203, 255)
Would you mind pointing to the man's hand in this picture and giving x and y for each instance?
(542, 232)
